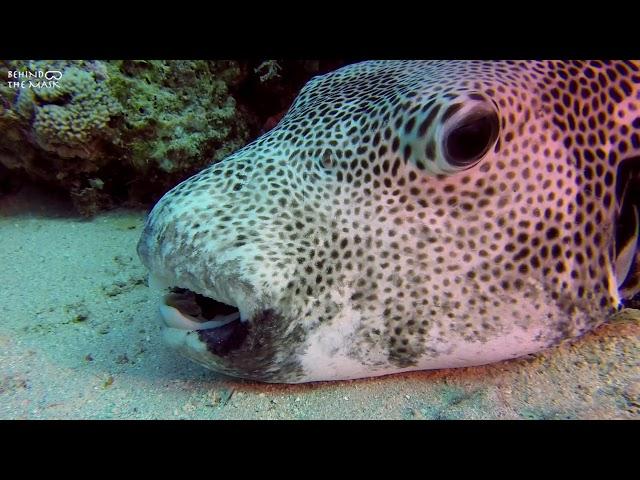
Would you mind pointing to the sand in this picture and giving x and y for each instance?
(80, 339)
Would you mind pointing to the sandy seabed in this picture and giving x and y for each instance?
(80, 338)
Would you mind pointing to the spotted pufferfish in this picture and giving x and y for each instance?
(408, 215)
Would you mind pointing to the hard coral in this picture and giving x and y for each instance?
(69, 119)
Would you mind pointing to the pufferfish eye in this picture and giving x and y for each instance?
(469, 136)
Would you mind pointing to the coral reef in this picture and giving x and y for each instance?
(178, 115)
(113, 131)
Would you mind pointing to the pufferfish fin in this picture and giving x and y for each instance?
(627, 259)
(626, 251)
(630, 288)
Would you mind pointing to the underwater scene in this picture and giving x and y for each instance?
(319, 239)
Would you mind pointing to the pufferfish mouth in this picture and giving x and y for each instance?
(187, 310)
(221, 326)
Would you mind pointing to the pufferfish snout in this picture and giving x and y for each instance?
(408, 215)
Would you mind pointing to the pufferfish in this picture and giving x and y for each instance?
(408, 215)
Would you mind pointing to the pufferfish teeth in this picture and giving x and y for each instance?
(174, 318)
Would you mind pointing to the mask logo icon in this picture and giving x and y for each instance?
(53, 75)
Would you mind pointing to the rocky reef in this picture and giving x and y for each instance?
(110, 133)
